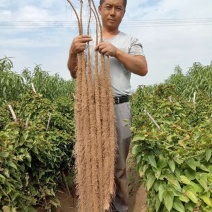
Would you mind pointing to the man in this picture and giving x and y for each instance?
(126, 57)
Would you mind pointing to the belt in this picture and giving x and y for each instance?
(121, 99)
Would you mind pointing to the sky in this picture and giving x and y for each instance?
(172, 32)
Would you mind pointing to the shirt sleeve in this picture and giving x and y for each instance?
(136, 47)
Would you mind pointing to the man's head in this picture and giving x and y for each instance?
(112, 12)
(124, 2)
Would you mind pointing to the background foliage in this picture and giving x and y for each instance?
(172, 137)
(38, 147)
(13, 85)
(174, 153)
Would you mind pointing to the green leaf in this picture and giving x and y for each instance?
(191, 163)
(171, 165)
(162, 163)
(135, 149)
(172, 179)
(6, 173)
(208, 154)
(157, 204)
(142, 170)
(189, 207)
(168, 199)
(156, 185)
(150, 181)
(190, 174)
(206, 199)
(197, 187)
(6, 209)
(178, 160)
(161, 191)
(210, 170)
(4, 154)
(191, 196)
(177, 173)
(2, 177)
(189, 187)
(55, 202)
(28, 156)
(158, 173)
(202, 179)
(11, 164)
(138, 138)
(184, 198)
(14, 210)
(139, 158)
(181, 143)
(152, 161)
(203, 167)
(185, 180)
(177, 205)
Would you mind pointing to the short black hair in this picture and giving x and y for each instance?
(124, 1)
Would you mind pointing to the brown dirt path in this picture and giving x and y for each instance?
(136, 203)
(137, 194)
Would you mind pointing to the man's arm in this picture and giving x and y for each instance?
(78, 45)
(136, 64)
(72, 64)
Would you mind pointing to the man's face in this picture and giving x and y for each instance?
(112, 12)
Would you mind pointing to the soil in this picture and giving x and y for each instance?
(137, 193)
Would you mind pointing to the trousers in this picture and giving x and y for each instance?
(123, 123)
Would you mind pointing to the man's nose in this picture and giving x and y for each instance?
(112, 11)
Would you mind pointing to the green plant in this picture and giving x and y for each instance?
(198, 79)
(172, 146)
(13, 86)
(34, 151)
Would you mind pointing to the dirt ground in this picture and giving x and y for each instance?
(136, 192)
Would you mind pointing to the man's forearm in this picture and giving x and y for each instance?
(72, 64)
(135, 64)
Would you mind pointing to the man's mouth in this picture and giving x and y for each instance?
(111, 20)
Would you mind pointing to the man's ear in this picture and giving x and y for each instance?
(123, 13)
(99, 9)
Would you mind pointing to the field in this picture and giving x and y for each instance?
(137, 194)
(170, 163)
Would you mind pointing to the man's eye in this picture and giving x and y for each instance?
(119, 8)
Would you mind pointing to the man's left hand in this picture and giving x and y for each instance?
(107, 49)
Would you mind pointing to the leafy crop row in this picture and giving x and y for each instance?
(36, 148)
(198, 79)
(172, 139)
(13, 85)
(172, 143)
(34, 151)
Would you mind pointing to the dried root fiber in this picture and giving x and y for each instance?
(95, 126)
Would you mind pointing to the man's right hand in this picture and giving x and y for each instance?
(79, 44)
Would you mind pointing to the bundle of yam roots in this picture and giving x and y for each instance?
(95, 124)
